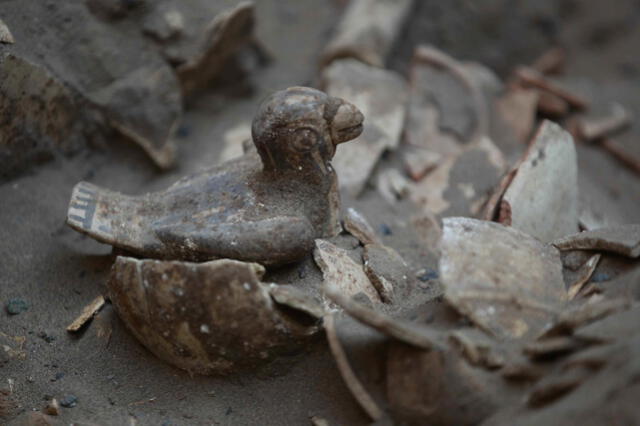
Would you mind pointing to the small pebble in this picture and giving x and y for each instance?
(427, 274)
(53, 408)
(16, 306)
(69, 401)
(385, 229)
(46, 337)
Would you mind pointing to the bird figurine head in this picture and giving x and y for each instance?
(298, 129)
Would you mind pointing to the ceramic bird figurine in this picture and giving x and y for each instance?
(265, 208)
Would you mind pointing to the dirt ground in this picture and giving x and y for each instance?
(58, 271)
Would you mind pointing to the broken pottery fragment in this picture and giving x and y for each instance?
(419, 162)
(207, 318)
(554, 346)
(339, 270)
(358, 226)
(447, 107)
(270, 212)
(552, 105)
(618, 326)
(386, 270)
(518, 109)
(620, 239)
(5, 34)
(542, 199)
(441, 388)
(367, 31)
(392, 185)
(583, 276)
(529, 77)
(380, 95)
(461, 184)
(478, 348)
(596, 128)
(617, 150)
(570, 319)
(108, 73)
(552, 61)
(506, 282)
(224, 34)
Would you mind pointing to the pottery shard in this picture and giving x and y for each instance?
(342, 272)
(207, 318)
(505, 281)
(462, 183)
(386, 270)
(620, 239)
(380, 95)
(447, 106)
(518, 109)
(367, 31)
(542, 199)
(358, 226)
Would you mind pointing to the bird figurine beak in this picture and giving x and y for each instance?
(346, 124)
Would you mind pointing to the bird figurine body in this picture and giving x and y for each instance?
(267, 206)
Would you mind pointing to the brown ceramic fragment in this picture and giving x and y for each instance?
(358, 391)
(620, 239)
(529, 77)
(441, 388)
(552, 105)
(542, 199)
(367, 31)
(87, 314)
(339, 270)
(505, 281)
(591, 129)
(358, 226)
(552, 61)
(554, 346)
(616, 149)
(381, 96)
(194, 315)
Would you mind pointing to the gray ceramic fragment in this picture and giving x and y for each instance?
(542, 199)
(620, 239)
(506, 282)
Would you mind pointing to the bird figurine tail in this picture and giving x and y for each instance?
(92, 210)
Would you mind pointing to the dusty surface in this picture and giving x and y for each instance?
(57, 271)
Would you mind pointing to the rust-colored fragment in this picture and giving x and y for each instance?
(532, 78)
(88, 312)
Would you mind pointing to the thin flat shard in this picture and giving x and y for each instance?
(358, 226)
(596, 128)
(386, 270)
(461, 184)
(447, 107)
(542, 199)
(529, 77)
(584, 274)
(505, 281)
(339, 270)
(381, 96)
(518, 109)
(87, 313)
(620, 239)
(367, 31)
(5, 34)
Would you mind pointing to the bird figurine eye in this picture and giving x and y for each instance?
(304, 139)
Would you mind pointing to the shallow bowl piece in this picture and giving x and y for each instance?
(206, 318)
